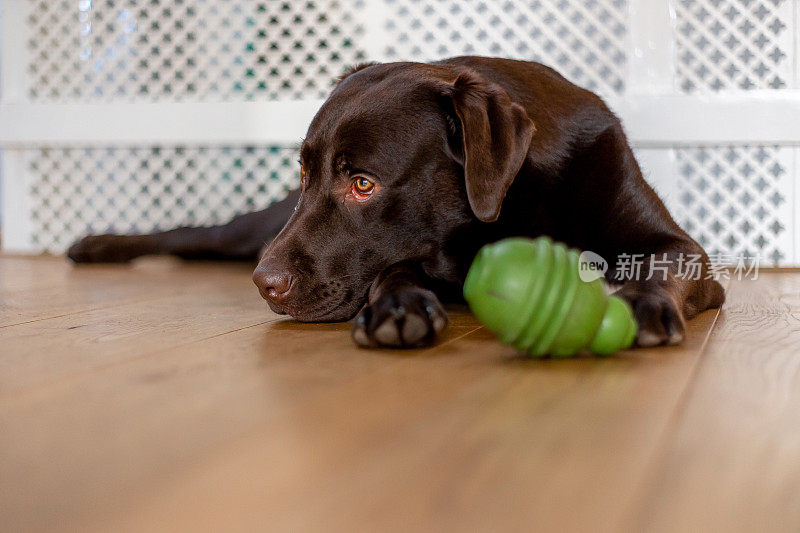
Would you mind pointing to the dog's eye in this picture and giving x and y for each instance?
(302, 176)
(362, 187)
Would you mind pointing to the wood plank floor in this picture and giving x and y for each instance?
(166, 396)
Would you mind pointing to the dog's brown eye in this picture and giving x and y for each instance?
(302, 176)
(362, 187)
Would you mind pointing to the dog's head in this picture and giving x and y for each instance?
(398, 158)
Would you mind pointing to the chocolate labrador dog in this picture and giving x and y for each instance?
(409, 168)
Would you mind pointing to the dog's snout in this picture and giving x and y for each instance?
(273, 284)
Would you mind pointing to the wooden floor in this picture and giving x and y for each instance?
(165, 396)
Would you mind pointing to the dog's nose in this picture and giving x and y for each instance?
(274, 285)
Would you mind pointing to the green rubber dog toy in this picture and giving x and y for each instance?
(531, 294)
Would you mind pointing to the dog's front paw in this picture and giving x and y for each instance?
(408, 318)
(659, 318)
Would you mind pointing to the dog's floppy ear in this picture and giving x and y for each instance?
(495, 135)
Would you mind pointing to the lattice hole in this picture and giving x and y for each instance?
(144, 50)
(137, 190)
(734, 44)
(585, 41)
(736, 200)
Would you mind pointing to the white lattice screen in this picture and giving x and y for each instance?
(149, 189)
(100, 129)
(735, 44)
(738, 200)
(136, 50)
(587, 41)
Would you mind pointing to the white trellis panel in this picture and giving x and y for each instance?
(738, 200)
(148, 189)
(587, 41)
(735, 44)
(136, 115)
(209, 50)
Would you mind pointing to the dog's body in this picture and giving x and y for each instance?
(409, 168)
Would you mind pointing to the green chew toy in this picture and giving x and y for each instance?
(531, 294)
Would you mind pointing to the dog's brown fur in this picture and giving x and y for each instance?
(463, 152)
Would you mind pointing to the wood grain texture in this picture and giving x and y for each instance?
(732, 462)
(46, 288)
(114, 313)
(186, 405)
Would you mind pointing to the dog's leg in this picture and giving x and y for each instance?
(400, 313)
(242, 238)
(627, 223)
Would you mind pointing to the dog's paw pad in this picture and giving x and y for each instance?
(388, 334)
(414, 329)
(360, 336)
(406, 319)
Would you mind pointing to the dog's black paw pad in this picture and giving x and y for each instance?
(406, 319)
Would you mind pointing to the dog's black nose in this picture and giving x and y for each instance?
(274, 285)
